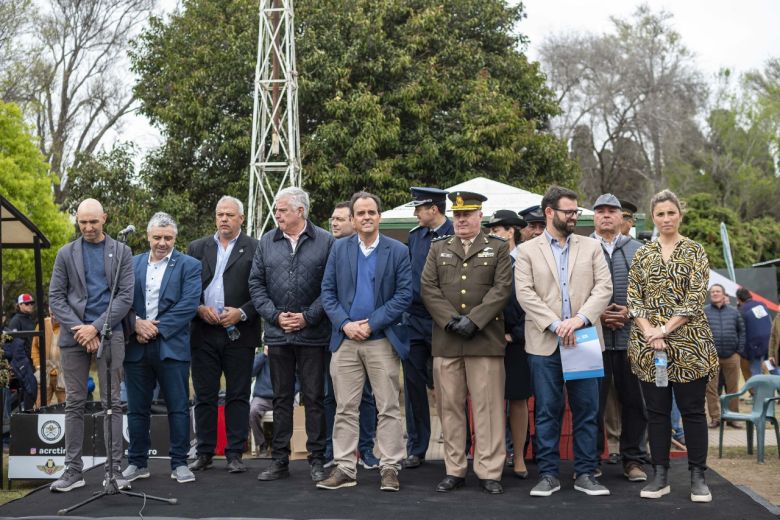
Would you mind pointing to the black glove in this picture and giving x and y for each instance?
(465, 327)
(450, 327)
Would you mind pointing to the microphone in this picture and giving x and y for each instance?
(128, 230)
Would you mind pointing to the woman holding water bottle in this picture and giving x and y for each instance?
(671, 347)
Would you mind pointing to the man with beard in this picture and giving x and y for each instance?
(563, 283)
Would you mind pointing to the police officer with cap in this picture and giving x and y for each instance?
(465, 286)
(429, 205)
(534, 223)
(628, 210)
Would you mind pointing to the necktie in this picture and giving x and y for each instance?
(466, 246)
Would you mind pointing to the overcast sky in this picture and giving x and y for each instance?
(740, 35)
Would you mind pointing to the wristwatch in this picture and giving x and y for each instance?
(663, 330)
(243, 314)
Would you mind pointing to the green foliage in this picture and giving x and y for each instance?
(751, 241)
(392, 93)
(26, 182)
(110, 178)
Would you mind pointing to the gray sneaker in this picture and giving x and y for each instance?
(547, 486)
(69, 480)
(588, 484)
(183, 474)
(133, 472)
(121, 481)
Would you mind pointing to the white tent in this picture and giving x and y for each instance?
(499, 196)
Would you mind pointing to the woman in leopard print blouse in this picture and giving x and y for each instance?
(667, 284)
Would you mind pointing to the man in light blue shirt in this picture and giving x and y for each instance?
(563, 283)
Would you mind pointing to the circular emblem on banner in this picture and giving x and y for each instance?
(51, 432)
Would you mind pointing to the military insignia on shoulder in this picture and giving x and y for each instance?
(491, 235)
(441, 238)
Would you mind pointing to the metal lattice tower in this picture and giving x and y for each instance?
(275, 162)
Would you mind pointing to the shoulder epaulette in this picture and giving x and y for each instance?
(497, 237)
(441, 238)
(415, 228)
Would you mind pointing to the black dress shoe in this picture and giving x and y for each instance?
(276, 470)
(202, 462)
(450, 483)
(493, 487)
(412, 461)
(236, 465)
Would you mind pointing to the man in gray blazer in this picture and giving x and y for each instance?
(79, 291)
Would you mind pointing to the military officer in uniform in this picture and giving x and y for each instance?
(429, 205)
(465, 286)
(533, 217)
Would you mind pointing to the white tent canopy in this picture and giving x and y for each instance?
(499, 196)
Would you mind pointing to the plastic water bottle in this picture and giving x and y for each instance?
(661, 369)
(232, 332)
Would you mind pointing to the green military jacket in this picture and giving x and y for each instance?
(477, 284)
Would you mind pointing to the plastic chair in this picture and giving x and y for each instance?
(764, 398)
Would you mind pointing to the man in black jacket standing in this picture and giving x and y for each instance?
(728, 330)
(619, 251)
(285, 286)
(225, 333)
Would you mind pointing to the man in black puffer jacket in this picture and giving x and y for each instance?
(285, 287)
(619, 251)
(728, 329)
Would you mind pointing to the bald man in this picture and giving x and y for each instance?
(79, 292)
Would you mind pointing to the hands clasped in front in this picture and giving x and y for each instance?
(357, 330)
(463, 326)
(566, 331)
(87, 336)
(229, 316)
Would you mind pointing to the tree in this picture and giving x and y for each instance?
(26, 182)
(632, 94)
(109, 176)
(751, 241)
(14, 23)
(75, 89)
(737, 159)
(392, 93)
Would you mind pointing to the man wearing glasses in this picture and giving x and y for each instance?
(563, 283)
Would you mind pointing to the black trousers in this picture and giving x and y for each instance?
(633, 417)
(417, 380)
(213, 354)
(690, 401)
(310, 364)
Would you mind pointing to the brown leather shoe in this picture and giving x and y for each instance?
(734, 424)
(337, 480)
(714, 423)
(634, 473)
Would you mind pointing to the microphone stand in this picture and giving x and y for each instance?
(110, 486)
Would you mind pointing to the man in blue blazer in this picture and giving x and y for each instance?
(167, 293)
(366, 288)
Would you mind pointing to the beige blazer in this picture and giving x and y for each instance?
(538, 290)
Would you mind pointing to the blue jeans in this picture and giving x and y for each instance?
(755, 366)
(548, 385)
(141, 377)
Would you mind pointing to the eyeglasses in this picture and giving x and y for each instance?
(569, 213)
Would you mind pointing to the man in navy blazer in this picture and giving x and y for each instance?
(166, 297)
(365, 290)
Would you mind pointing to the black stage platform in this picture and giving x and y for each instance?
(218, 494)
